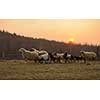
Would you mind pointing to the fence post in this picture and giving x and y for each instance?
(98, 52)
(3, 54)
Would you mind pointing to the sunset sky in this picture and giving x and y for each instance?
(78, 31)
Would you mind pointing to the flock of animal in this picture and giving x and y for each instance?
(45, 57)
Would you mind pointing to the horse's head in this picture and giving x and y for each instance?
(21, 50)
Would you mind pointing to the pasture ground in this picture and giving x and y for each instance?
(20, 70)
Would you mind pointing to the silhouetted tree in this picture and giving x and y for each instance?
(10, 43)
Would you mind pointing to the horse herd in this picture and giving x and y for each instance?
(45, 57)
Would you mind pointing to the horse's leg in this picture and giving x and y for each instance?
(85, 61)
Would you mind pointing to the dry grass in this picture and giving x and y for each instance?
(19, 70)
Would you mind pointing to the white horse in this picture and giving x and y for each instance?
(29, 55)
(43, 55)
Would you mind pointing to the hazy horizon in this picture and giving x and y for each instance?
(78, 31)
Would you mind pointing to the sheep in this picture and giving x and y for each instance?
(29, 55)
(88, 55)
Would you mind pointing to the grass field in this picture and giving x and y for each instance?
(20, 70)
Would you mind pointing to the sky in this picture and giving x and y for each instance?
(65, 30)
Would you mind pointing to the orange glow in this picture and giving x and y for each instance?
(81, 31)
(71, 40)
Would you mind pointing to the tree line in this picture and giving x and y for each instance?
(11, 42)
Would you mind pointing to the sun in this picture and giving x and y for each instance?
(71, 40)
